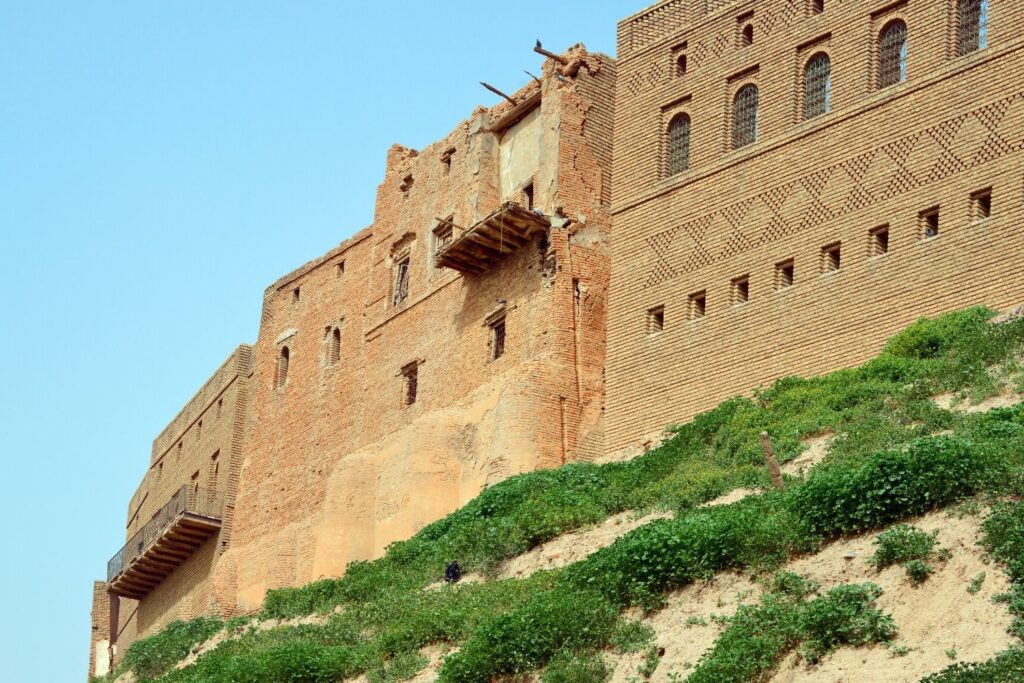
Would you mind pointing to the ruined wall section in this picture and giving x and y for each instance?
(879, 158)
(99, 634)
(335, 470)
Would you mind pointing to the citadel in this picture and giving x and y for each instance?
(750, 189)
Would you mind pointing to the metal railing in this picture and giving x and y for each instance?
(188, 499)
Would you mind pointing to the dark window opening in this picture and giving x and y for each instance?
(817, 6)
(972, 26)
(741, 290)
(678, 144)
(745, 116)
(655, 320)
(698, 305)
(681, 65)
(199, 430)
(446, 160)
(443, 235)
(817, 86)
(334, 346)
(220, 407)
(296, 295)
(340, 269)
(784, 274)
(160, 471)
(283, 359)
(410, 379)
(497, 338)
(528, 196)
(892, 54)
(831, 258)
(929, 222)
(878, 241)
(747, 36)
(981, 204)
(400, 292)
(406, 185)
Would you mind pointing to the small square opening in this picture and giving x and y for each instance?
(831, 258)
(741, 290)
(698, 305)
(656, 320)
(878, 241)
(929, 223)
(785, 274)
(981, 204)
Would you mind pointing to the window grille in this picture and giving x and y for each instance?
(334, 347)
(401, 290)
(497, 339)
(818, 86)
(892, 55)
(678, 144)
(972, 33)
(745, 117)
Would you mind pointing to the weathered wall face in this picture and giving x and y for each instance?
(200, 448)
(337, 465)
(879, 158)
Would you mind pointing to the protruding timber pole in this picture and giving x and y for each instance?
(539, 49)
(769, 458)
(497, 92)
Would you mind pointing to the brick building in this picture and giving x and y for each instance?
(795, 181)
(456, 341)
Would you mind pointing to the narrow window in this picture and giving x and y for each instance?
(878, 241)
(681, 65)
(747, 36)
(741, 290)
(160, 470)
(400, 291)
(199, 430)
(220, 407)
(817, 6)
(296, 295)
(745, 116)
(831, 258)
(817, 86)
(528, 196)
(655, 320)
(195, 485)
(929, 223)
(678, 144)
(177, 455)
(410, 380)
(334, 346)
(214, 469)
(406, 185)
(698, 305)
(443, 235)
(497, 338)
(282, 367)
(892, 54)
(784, 274)
(446, 160)
(981, 204)
(339, 270)
(972, 33)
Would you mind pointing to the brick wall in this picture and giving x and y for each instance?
(878, 158)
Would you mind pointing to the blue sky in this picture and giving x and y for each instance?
(160, 164)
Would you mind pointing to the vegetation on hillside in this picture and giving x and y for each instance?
(896, 455)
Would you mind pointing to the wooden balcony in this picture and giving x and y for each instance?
(165, 542)
(479, 248)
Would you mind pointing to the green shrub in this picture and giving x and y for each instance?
(632, 636)
(152, 657)
(918, 571)
(902, 543)
(844, 616)
(529, 637)
(572, 667)
(1007, 667)
(931, 338)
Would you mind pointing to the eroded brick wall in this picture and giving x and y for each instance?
(878, 158)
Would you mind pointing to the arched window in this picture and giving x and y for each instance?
(282, 367)
(817, 6)
(747, 35)
(818, 86)
(744, 117)
(678, 144)
(892, 54)
(972, 31)
(334, 346)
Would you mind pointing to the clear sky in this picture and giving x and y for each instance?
(161, 163)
